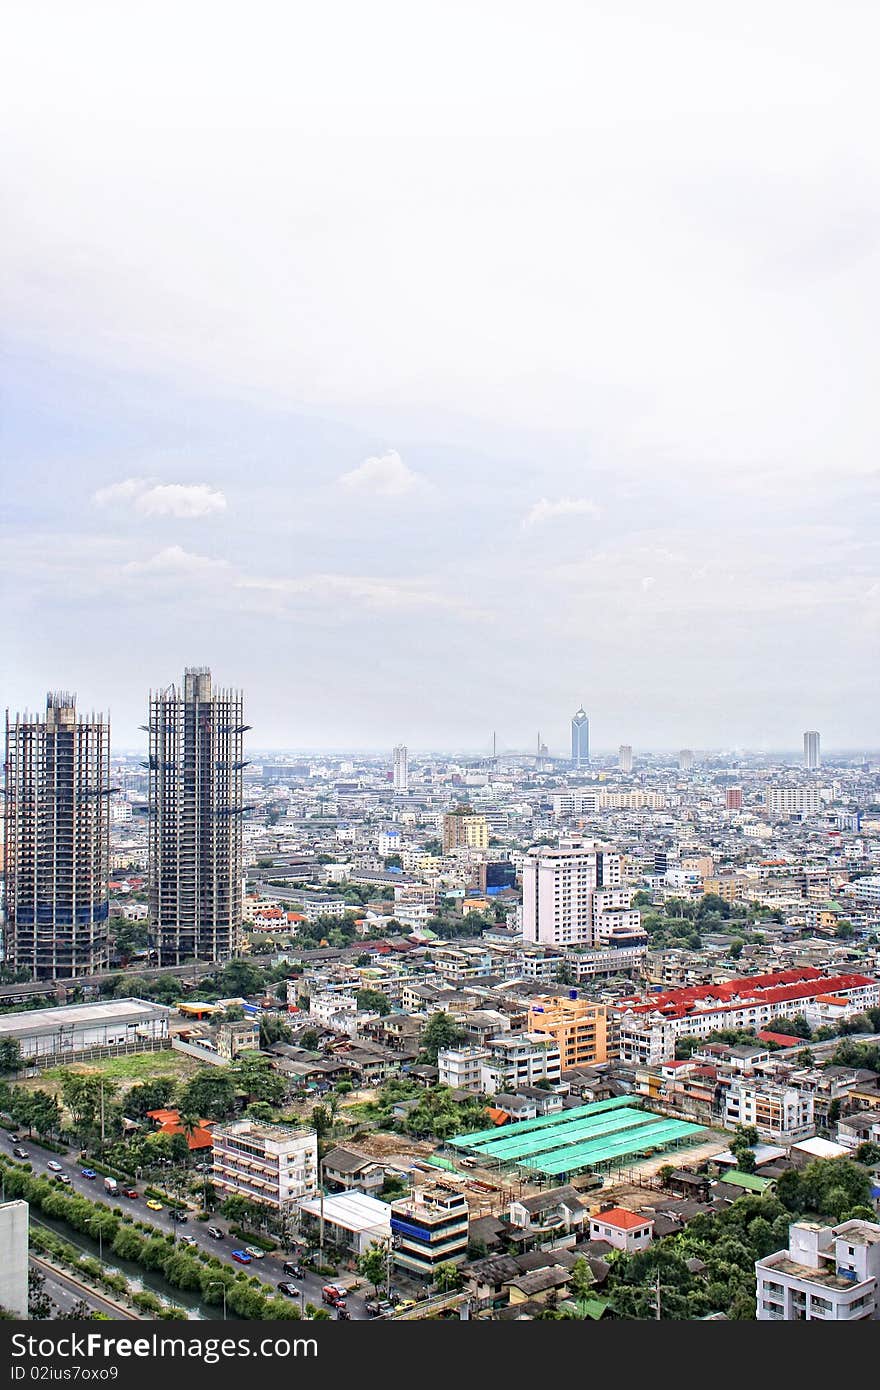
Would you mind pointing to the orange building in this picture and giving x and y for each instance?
(578, 1027)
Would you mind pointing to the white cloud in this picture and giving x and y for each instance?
(383, 475)
(183, 501)
(174, 560)
(545, 510)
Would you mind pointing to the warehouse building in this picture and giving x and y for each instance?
(48, 1036)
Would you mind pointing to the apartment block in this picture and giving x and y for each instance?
(273, 1164)
(577, 1027)
(827, 1274)
(520, 1060)
(462, 1067)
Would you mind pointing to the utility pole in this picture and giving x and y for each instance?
(102, 1116)
(657, 1297)
(321, 1200)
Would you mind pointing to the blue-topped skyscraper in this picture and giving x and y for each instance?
(580, 739)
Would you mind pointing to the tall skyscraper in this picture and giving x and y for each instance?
(733, 798)
(625, 757)
(580, 739)
(401, 768)
(195, 816)
(811, 749)
(57, 841)
(686, 759)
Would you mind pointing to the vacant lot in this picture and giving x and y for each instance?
(126, 1071)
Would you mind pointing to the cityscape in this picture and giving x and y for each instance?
(440, 786)
(516, 1036)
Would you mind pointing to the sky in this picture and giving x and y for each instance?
(429, 370)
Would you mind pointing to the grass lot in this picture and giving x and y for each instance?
(126, 1070)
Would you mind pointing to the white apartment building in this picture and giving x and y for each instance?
(779, 1113)
(793, 801)
(615, 919)
(273, 1164)
(462, 1067)
(520, 1060)
(326, 1007)
(580, 803)
(559, 888)
(827, 1274)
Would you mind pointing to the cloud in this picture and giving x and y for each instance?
(385, 594)
(148, 498)
(383, 475)
(173, 561)
(545, 510)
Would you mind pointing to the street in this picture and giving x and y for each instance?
(269, 1269)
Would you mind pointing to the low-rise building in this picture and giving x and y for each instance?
(577, 1026)
(827, 1274)
(428, 1229)
(519, 1060)
(623, 1229)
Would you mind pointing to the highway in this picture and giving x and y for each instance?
(269, 1269)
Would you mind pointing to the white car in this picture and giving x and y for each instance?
(54, 1165)
(254, 1253)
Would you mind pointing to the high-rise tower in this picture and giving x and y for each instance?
(580, 739)
(195, 816)
(401, 768)
(625, 757)
(57, 841)
(812, 756)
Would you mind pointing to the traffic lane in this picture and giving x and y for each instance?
(66, 1293)
(270, 1268)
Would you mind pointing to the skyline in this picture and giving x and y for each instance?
(446, 412)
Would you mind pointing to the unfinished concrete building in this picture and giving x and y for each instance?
(195, 820)
(57, 841)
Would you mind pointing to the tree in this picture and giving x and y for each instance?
(211, 1093)
(10, 1056)
(441, 1031)
(373, 1001)
(868, 1153)
(581, 1280)
(241, 1210)
(321, 1120)
(150, 1095)
(665, 1174)
(40, 1305)
(254, 1074)
(448, 1277)
(273, 1030)
(372, 1265)
(310, 1039)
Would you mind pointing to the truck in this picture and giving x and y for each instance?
(111, 1185)
(334, 1295)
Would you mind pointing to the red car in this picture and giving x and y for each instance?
(130, 1192)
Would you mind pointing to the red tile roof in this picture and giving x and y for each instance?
(621, 1218)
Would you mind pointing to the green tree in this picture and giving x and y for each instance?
(373, 1001)
(372, 1265)
(441, 1031)
(211, 1094)
(448, 1277)
(10, 1056)
(273, 1030)
(582, 1279)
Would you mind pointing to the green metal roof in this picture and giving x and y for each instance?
(479, 1138)
(630, 1143)
(749, 1181)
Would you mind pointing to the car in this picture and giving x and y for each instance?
(380, 1308)
(188, 1240)
(130, 1192)
(154, 1205)
(296, 1270)
(62, 1177)
(254, 1253)
(241, 1256)
(54, 1166)
(179, 1216)
(87, 1173)
(20, 1153)
(290, 1289)
(215, 1233)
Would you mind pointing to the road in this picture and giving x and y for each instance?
(65, 1292)
(269, 1269)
